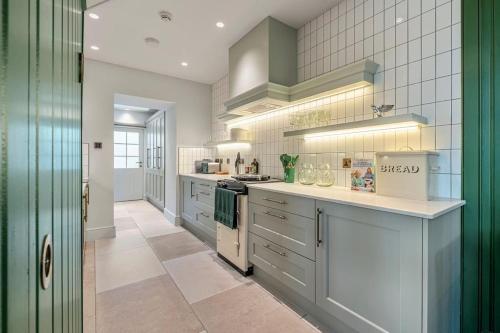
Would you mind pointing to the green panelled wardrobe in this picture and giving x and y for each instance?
(40, 170)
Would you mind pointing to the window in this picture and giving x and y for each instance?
(126, 150)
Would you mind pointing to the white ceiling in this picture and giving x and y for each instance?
(192, 35)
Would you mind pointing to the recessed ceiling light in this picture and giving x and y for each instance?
(94, 16)
(95, 47)
(399, 19)
(184, 64)
(220, 24)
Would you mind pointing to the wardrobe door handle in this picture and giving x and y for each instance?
(192, 183)
(318, 217)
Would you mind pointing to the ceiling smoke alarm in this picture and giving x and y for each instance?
(151, 41)
(165, 16)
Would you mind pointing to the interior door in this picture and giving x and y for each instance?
(128, 163)
(155, 166)
(40, 173)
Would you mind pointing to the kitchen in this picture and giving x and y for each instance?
(256, 166)
(271, 190)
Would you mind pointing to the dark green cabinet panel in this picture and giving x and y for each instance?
(40, 169)
(481, 163)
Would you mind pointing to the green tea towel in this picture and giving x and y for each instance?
(226, 207)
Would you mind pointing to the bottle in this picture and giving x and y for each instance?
(255, 167)
(242, 167)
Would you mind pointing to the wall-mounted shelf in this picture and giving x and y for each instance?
(376, 124)
(228, 143)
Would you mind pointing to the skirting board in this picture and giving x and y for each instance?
(101, 233)
(171, 217)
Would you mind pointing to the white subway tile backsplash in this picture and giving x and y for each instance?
(428, 91)
(417, 46)
(428, 5)
(443, 64)
(428, 22)
(428, 45)
(443, 40)
(443, 137)
(414, 50)
(443, 16)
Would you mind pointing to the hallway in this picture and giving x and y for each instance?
(156, 277)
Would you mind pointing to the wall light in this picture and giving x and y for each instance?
(184, 64)
(220, 24)
(95, 47)
(94, 16)
(233, 145)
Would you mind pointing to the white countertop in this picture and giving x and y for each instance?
(205, 176)
(342, 195)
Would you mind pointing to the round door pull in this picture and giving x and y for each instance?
(46, 262)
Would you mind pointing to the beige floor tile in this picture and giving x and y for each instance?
(125, 223)
(247, 309)
(158, 229)
(125, 240)
(176, 245)
(117, 269)
(202, 275)
(153, 305)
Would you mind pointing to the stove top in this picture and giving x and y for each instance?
(251, 178)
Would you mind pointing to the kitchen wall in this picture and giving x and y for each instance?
(417, 44)
(101, 82)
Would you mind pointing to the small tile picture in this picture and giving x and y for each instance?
(346, 163)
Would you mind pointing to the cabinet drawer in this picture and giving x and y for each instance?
(205, 220)
(205, 196)
(293, 270)
(291, 231)
(288, 203)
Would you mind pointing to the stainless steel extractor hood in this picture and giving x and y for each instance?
(262, 67)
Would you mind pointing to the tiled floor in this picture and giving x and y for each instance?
(156, 277)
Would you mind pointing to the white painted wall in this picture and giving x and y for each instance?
(101, 82)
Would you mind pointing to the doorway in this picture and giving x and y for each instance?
(128, 163)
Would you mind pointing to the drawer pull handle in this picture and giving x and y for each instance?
(205, 193)
(206, 215)
(282, 217)
(318, 216)
(206, 185)
(267, 246)
(281, 202)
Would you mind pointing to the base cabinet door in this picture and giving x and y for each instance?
(187, 207)
(369, 268)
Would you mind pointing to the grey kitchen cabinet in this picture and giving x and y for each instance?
(369, 268)
(197, 207)
(187, 205)
(373, 270)
(294, 232)
(291, 269)
(155, 164)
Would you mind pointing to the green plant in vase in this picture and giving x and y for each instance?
(288, 162)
